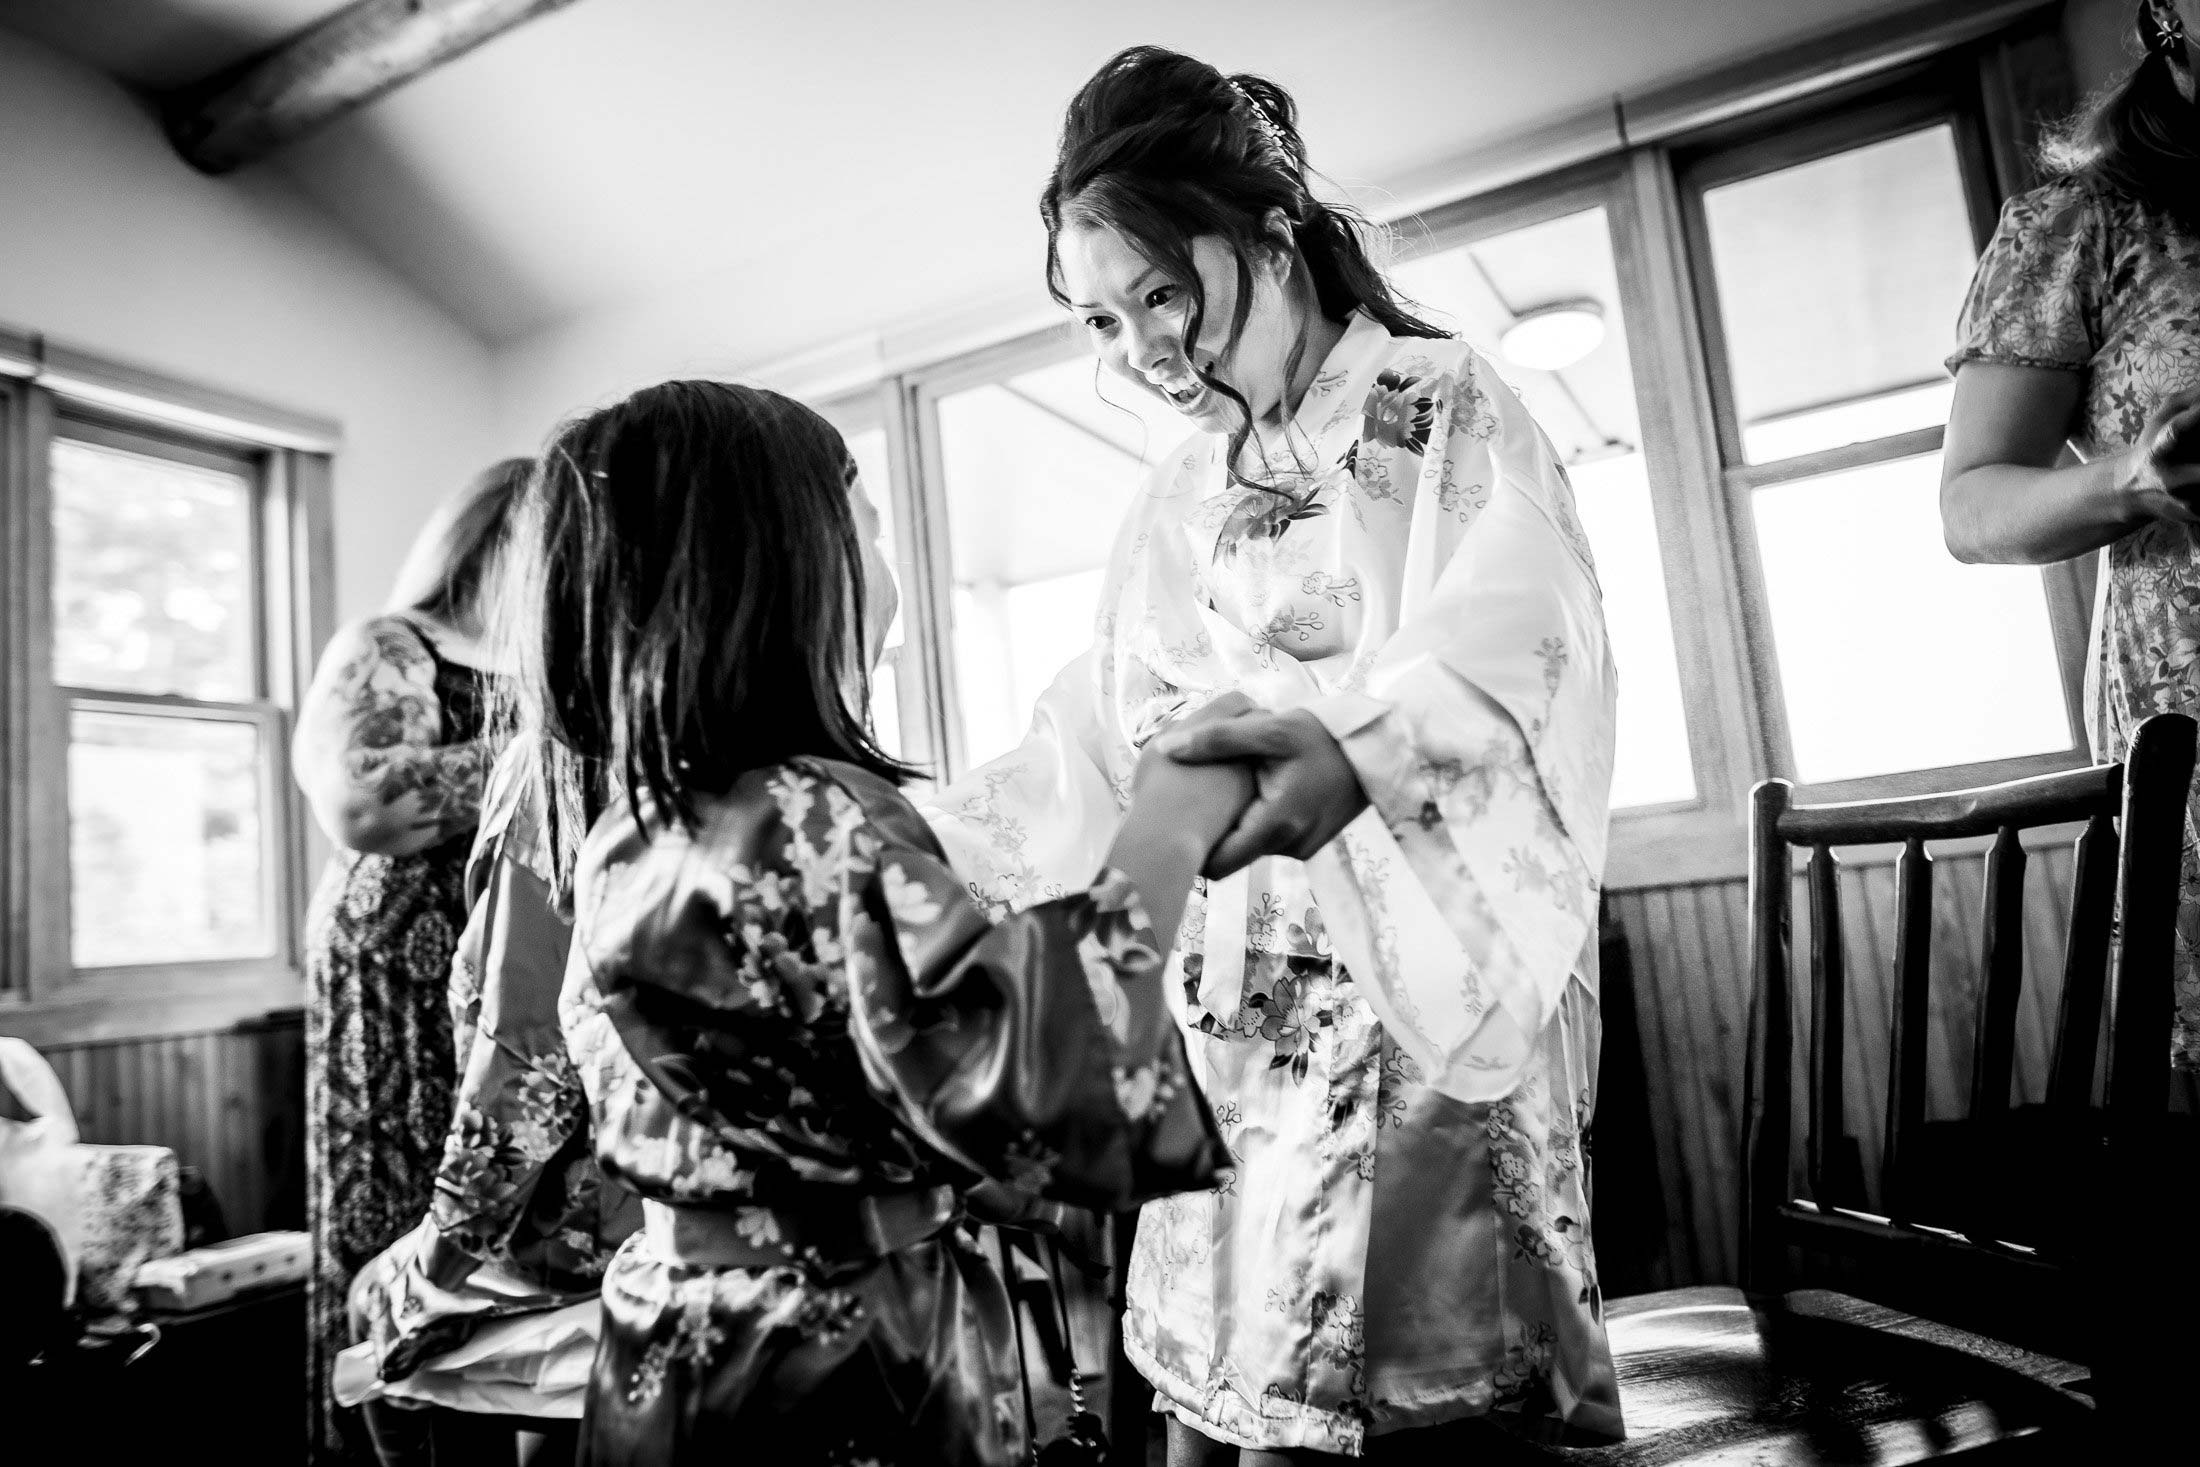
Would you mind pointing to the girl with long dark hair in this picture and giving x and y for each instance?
(1390, 978)
(801, 1041)
(2082, 330)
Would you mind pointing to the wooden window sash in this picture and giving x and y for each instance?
(44, 994)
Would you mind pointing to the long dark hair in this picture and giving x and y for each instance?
(691, 607)
(1163, 148)
(2139, 137)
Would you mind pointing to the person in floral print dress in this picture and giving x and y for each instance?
(801, 1041)
(1389, 979)
(2082, 327)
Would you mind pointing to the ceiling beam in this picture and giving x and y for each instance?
(334, 67)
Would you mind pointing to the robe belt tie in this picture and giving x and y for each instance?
(1222, 957)
(862, 1229)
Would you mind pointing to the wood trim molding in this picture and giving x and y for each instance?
(16, 843)
(87, 380)
(197, 1010)
(90, 380)
(18, 352)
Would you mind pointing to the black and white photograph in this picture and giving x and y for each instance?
(1134, 733)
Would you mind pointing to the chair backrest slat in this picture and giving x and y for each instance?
(1913, 1001)
(2085, 966)
(1829, 982)
(1994, 1059)
(1766, 1089)
(2159, 760)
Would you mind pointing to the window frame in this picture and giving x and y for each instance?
(55, 393)
(1911, 100)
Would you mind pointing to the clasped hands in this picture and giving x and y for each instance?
(1254, 783)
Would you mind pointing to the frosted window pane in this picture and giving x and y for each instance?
(1039, 473)
(1893, 656)
(1839, 280)
(166, 859)
(1009, 644)
(1850, 422)
(1652, 765)
(152, 574)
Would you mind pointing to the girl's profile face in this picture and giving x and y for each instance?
(1136, 317)
(881, 596)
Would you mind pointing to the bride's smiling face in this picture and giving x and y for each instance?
(1137, 317)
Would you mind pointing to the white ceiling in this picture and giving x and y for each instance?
(620, 150)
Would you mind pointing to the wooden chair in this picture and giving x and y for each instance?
(1992, 1328)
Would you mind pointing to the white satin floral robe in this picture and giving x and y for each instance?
(1399, 1038)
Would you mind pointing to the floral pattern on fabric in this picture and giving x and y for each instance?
(1355, 1018)
(2095, 283)
(798, 1010)
(518, 1188)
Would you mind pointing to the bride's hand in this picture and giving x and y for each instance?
(1307, 788)
(1206, 807)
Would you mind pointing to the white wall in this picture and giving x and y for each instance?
(111, 244)
(2100, 39)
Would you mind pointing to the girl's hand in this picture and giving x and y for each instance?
(2161, 469)
(1203, 803)
(1306, 789)
(1178, 813)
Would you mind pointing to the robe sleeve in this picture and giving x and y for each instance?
(1034, 823)
(1465, 897)
(1038, 1049)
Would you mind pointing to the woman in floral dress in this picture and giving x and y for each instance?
(1390, 982)
(802, 1042)
(391, 751)
(2083, 327)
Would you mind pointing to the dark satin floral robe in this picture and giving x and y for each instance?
(794, 1023)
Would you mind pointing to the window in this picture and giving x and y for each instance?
(160, 616)
(1752, 426)
(1831, 283)
(156, 656)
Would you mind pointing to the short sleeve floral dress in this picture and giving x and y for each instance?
(2084, 280)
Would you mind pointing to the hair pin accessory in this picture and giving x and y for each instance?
(1261, 120)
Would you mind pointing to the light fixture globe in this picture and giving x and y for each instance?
(1554, 337)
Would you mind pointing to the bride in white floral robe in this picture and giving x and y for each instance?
(1400, 1036)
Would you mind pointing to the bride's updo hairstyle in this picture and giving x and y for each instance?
(1162, 149)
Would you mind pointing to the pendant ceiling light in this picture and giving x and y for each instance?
(1554, 337)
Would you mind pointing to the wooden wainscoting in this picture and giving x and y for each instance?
(1689, 947)
(231, 1103)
